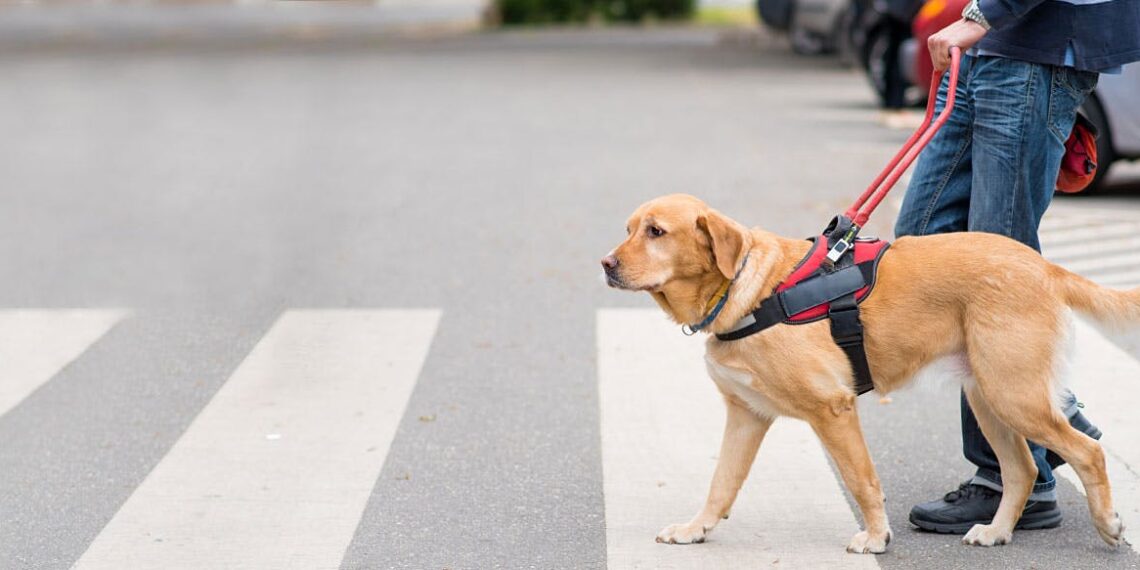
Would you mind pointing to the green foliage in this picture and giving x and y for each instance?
(638, 10)
(580, 11)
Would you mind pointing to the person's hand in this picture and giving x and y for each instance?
(963, 33)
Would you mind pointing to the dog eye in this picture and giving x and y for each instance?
(656, 231)
(627, 230)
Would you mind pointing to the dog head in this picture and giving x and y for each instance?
(676, 248)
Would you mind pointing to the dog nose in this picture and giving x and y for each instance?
(610, 262)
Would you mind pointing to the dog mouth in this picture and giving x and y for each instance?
(616, 282)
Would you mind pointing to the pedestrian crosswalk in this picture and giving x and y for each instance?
(1101, 244)
(36, 344)
(277, 468)
(1108, 380)
(662, 419)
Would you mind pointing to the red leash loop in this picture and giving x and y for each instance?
(886, 179)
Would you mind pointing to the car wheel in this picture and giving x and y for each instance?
(775, 14)
(1105, 155)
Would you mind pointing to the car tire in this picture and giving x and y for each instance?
(1105, 154)
(776, 15)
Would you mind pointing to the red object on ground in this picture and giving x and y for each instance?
(933, 16)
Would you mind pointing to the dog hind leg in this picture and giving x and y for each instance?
(1042, 422)
(1017, 474)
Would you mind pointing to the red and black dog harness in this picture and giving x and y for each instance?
(839, 271)
(820, 287)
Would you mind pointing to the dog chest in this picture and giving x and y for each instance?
(739, 383)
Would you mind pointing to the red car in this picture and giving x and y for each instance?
(933, 16)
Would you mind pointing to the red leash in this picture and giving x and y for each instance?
(832, 286)
(914, 145)
(858, 213)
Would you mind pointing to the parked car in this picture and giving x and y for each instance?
(813, 26)
(1115, 110)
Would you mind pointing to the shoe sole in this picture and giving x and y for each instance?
(1026, 523)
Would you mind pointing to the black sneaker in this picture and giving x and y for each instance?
(971, 504)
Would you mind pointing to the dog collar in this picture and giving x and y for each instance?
(715, 304)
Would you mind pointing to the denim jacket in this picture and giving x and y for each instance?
(1101, 34)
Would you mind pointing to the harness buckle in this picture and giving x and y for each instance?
(843, 231)
(838, 250)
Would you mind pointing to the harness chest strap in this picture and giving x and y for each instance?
(847, 331)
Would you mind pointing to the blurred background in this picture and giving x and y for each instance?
(315, 284)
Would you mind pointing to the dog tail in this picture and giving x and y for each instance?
(1110, 306)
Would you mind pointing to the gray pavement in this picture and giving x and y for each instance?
(484, 175)
(201, 25)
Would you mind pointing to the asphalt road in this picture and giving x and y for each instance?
(210, 190)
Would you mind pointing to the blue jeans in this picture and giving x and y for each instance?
(992, 168)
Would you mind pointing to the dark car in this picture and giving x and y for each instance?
(878, 34)
(813, 26)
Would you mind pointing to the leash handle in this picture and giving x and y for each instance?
(869, 200)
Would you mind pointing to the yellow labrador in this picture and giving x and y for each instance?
(984, 303)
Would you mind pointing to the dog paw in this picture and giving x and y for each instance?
(864, 543)
(987, 535)
(1112, 531)
(683, 534)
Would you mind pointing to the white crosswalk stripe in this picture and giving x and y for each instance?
(1064, 253)
(1103, 245)
(35, 344)
(276, 470)
(661, 424)
(1107, 380)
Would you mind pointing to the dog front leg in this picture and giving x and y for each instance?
(840, 433)
(743, 432)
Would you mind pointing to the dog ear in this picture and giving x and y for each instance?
(727, 240)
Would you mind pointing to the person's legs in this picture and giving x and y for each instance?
(978, 451)
(1022, 115)
(895, 84)
(937, 200)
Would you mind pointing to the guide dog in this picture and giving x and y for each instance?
(984, 304)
